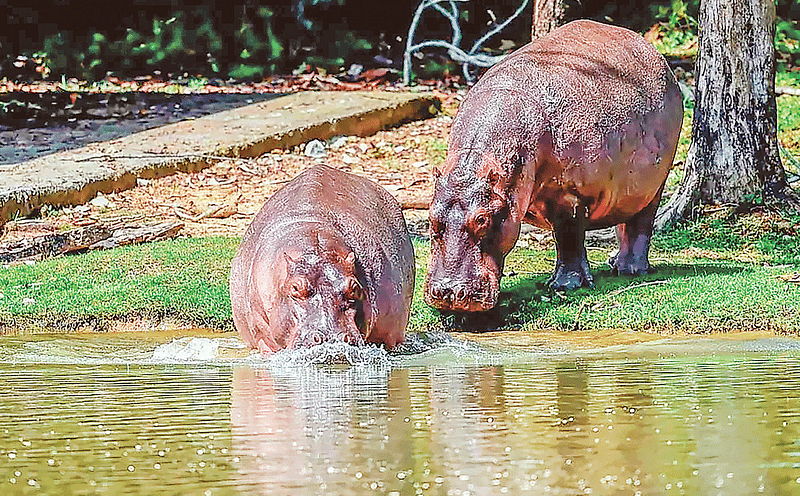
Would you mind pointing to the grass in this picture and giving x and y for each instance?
(185, 279)
(717, 274)
(786, 78)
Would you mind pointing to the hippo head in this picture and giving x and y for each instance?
(319, 300)
(474, 224)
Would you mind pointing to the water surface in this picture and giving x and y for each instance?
(147, 414)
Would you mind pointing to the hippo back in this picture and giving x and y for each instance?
(596, 106)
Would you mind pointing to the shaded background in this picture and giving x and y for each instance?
(247, 39)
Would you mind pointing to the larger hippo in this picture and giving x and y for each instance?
(574, 131)
(328, 258)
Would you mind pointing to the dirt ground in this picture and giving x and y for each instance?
(222, 200)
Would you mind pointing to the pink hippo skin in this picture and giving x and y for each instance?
(574, 131)
(327, 258)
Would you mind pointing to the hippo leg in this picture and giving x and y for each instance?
(634, 242)
(572, 266)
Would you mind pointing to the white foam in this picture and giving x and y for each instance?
(194, 349)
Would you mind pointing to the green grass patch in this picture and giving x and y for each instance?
(785, 78)
(716, 274)
(186, 279)
(788, 113)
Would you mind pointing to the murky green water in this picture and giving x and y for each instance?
(124, 414)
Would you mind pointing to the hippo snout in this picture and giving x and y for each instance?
(313, 337)
(462, 296)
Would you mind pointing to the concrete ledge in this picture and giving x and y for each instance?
(73, 177)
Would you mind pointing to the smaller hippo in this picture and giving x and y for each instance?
(328, 258)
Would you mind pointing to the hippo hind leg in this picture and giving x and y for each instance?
(634, 242)
(572, 267)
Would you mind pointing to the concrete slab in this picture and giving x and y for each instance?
(75, 176)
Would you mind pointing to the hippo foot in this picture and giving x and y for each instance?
(630, 265)
(567, 279)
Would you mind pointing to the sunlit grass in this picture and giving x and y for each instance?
(713, 275)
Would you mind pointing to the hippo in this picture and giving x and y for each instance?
(574, 131)
(327, 258)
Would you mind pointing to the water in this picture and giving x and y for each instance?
(147, 414)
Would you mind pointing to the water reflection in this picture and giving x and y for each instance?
(652, 420)
(697, 425)
(296, 428)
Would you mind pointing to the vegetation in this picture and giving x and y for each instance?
(172, 46)
(264, 40)
(185, 279)
(721, 273)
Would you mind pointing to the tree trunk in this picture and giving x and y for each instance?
(546, 16)
(734, 150)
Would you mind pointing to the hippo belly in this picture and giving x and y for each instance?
(574, 131)
(328, 258)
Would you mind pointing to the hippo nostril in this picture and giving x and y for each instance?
(316, 337)
(442, 293)
(461, 294)
(348, 339)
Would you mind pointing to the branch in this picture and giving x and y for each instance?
(208, 156)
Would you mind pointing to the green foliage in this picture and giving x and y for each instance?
(256, 49)
(59, 54)
(787, 38)
(677, 29)
(345, 46)
(173, 46)
(189, 42)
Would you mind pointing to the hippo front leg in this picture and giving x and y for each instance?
(634, 242)
(572, 267)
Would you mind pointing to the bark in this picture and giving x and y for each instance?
(546, 16)
(93, 237)
(734, 150)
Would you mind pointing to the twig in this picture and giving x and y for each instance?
(248, 170)
(640, 285)
(720, 208)
(211, 210)
(794, 162)
(226, 182)
(164, 155)
(786, 90)
(278, 181)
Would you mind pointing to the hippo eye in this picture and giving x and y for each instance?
(354, 292)
(480, 222)
(437, 228)
(298, 289)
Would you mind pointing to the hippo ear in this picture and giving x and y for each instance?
(496, 176)
(290, 262)
(350, 259)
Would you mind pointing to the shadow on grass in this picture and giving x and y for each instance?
(528, 296)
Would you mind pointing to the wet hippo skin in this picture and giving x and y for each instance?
(327, 258)
(574, 131)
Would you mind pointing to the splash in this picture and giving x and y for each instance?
(330, 353)
(199, 350)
